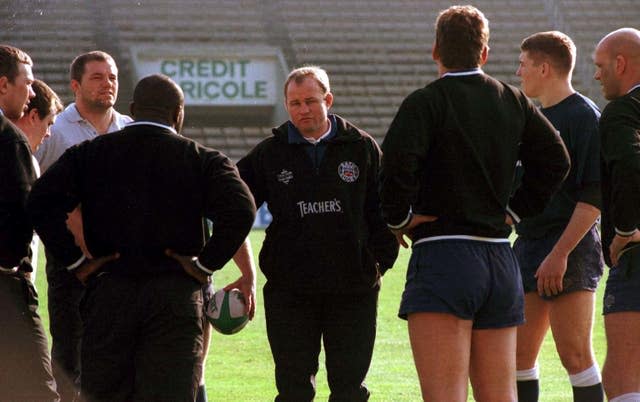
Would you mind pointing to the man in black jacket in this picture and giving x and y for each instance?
(327, 245)
(617, 60)
(144, 191)
(25, 365)
(447, 171)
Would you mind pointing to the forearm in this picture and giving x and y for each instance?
(582, 219)
(243, 258)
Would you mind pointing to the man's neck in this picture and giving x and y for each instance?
(100, 119)
(629, 82)
(555, 92)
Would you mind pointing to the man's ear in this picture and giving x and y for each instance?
(74, 85)
(545, 68)
(33, 115)
(176, 114)
(4, 83)
(484, 55)
(328, 99)
(435, 54)
(621, 64)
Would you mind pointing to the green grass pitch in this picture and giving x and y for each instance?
(240, 368)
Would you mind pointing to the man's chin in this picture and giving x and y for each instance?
(105, 104)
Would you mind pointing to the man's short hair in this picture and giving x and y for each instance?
(300, 74)
(462, 32)
(552, 47)
(10, 60)
(76, 71)
(46, 100)
(157, 93)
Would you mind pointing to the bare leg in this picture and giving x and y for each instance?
(531, 334)
(571, 318)
(493, 364)
(441, 351)
(621, 372)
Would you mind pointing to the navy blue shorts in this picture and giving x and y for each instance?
(623, 285)
(584, 266)
(473, 280)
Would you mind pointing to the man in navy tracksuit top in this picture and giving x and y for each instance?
(144, 191)
(449, 161)
(327, 245)
(25, 365)
(617, 61)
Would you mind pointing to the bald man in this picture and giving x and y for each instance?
(144, 256)
(617, 60)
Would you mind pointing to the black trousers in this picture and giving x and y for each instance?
(65, 325)
(25, 365)
(296, 325)
(142, 338)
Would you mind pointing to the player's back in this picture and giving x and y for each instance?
(144, 190)
(469, 132)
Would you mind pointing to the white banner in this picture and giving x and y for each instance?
(210, 77)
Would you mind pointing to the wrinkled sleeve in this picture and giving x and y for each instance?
(545, 164)
(229, 205)
(16, 177)
(53, 196)
(382, 242)
(621, 152)
(404, 149)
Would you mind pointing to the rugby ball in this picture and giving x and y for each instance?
(225, 311)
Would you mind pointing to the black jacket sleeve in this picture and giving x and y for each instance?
(55, 194)
(405, 148)
(382, 242)
(17, 174)
(229, 205)
(545, 163)
(620, 134)
(251, 174)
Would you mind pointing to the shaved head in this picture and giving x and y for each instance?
(617, 60)
(624, 41)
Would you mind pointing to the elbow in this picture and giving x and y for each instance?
(244, 220)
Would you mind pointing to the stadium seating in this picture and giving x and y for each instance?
(376, 51)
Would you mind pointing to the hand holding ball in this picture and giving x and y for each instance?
(225, 310)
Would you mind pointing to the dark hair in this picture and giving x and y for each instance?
(46, 100)
(76, 71)
(553, 47)
(462, 32)
(10, 60)
(157, 93)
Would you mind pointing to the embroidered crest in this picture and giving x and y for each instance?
(348, 171)
(285, 176)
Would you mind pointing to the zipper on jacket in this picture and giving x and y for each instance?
(316, 164)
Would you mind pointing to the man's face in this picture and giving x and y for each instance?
(308, 107)
(35, 128)
(19, 93)
(530, 75)
(606, 72)
(98, 88)
(42, 128)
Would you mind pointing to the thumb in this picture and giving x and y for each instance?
(425, 218)
(107, 258)
(169, 252)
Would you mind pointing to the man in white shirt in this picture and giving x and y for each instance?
(94, 82)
